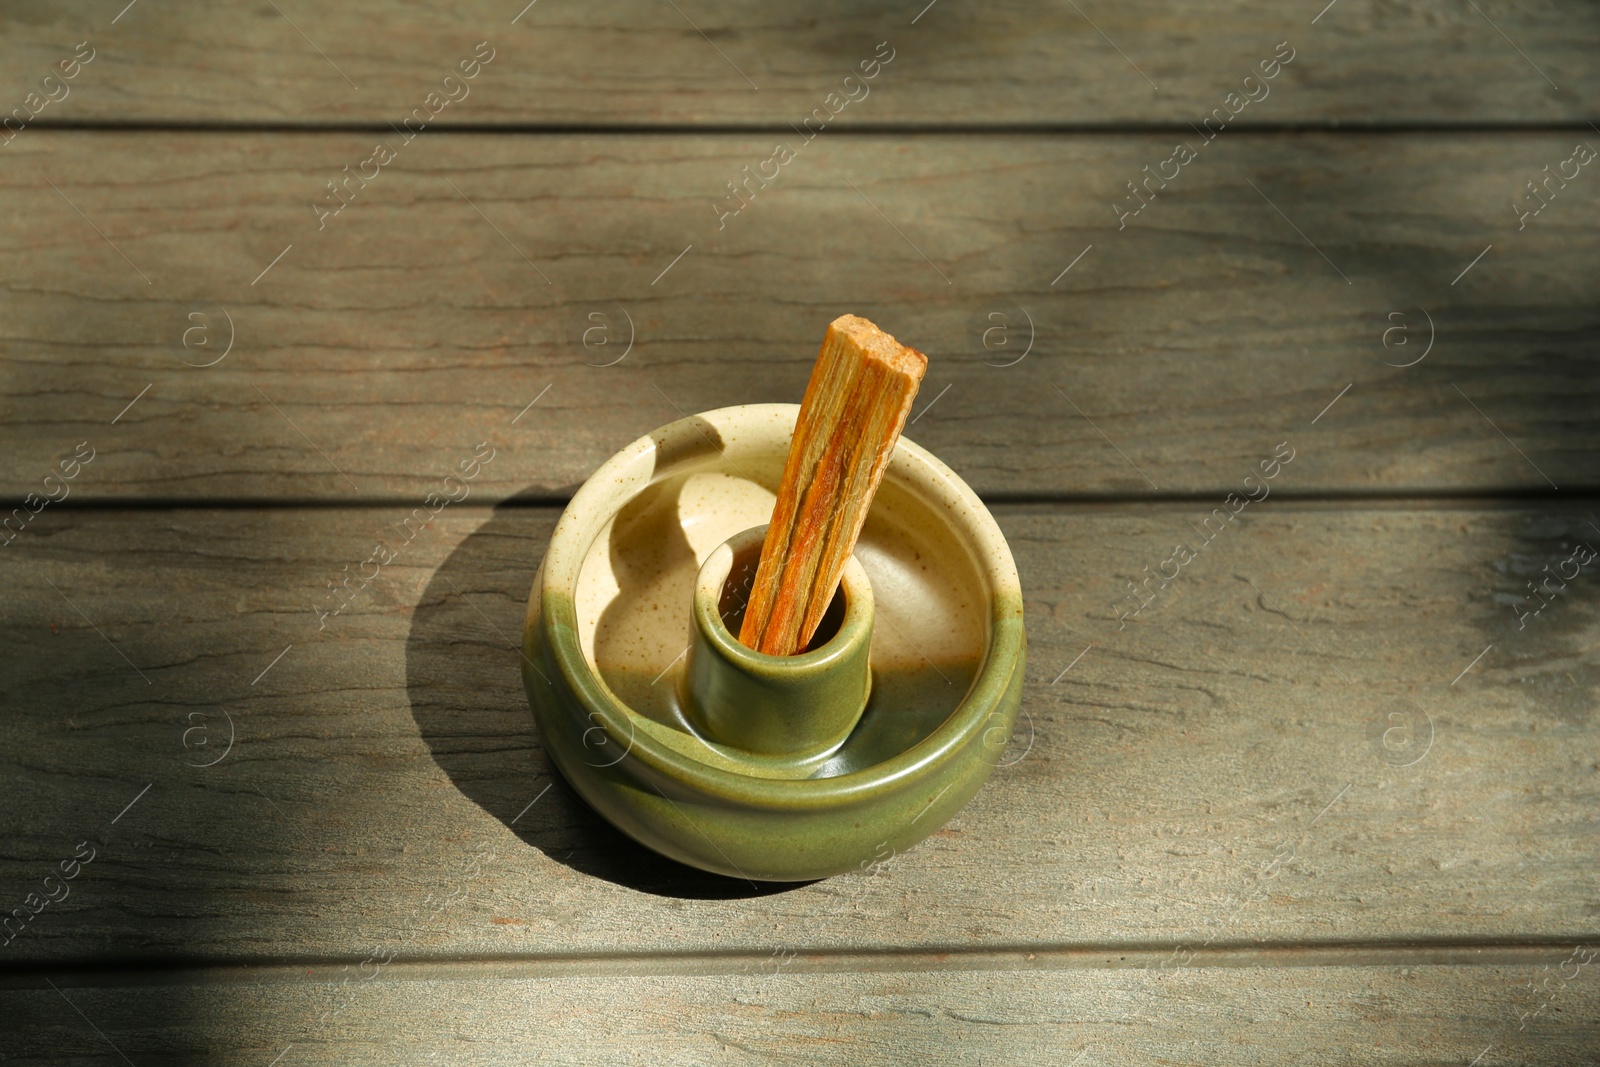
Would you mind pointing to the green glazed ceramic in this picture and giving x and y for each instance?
(802, 707)
(768, 767)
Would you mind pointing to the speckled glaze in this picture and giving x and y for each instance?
(606, 658)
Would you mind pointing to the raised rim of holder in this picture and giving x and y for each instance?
(800, 707)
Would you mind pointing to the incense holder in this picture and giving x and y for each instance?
(778, 768)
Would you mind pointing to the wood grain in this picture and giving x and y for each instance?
(855, 405)
(1169, 358)
(496, 1014)
(1321, 797)
(718, 61)
(1303, 739)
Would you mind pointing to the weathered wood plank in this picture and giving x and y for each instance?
(1303, 739)
(502, 1014)
(1172, 355)
(714, 61)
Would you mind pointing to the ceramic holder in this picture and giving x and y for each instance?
(756, 766)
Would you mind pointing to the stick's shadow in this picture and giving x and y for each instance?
(464, 682)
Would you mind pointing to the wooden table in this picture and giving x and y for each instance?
(1328, 796)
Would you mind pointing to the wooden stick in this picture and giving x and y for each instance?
(855, 406)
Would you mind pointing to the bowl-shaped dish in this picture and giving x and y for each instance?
(619, 664)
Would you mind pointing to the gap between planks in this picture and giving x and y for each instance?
(885, 129)
(1450, 497)
(1429, 952)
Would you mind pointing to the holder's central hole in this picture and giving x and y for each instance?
(736, 596)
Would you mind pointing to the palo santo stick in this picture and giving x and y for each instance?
(855, 406)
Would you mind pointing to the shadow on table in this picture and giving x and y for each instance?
(465, 688)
